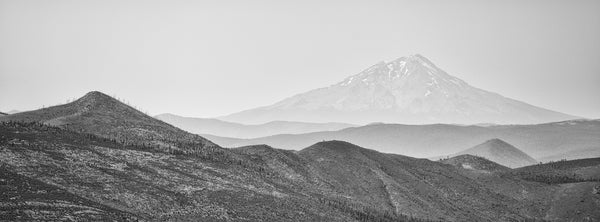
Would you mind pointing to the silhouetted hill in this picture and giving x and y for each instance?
(470, 162)
(500, 152)
(237, 130)
(539, 141)
(102, 115)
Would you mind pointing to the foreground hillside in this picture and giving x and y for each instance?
(26, 199)
(419, 186)
(554, 140)
(153, 185)
(330, 181)
(324, 182)
(561, 191)
(577, 196)
(183, 177)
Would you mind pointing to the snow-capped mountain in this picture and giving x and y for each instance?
(410, 90)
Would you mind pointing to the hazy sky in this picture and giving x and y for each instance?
(211, 58)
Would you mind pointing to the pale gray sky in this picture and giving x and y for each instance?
(211, 58)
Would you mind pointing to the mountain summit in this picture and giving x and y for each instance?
(99, 114)
(409, 90)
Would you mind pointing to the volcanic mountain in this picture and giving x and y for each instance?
(500, 152)
(408, 90)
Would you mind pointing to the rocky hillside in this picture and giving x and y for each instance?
(417, 186)
(155, 185)
(26, 199)
(333, 181)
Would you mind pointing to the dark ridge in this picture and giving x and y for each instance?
(100, 114)
(21, 196)
(335, 147)
(564, 171)
(564, 164)
(254, 147)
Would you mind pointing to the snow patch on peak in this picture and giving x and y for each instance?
(347, 81)
(456, 81)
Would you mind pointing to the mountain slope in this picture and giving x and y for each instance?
(230, 129)
(470, 162)
(100, 114)
(577, 196)
(564, 171)
(26, 199)
(540, 140)
(500, 152)
(329, 181)
(291, 187)
(155, 185)
(415, 186)
(409, 90)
